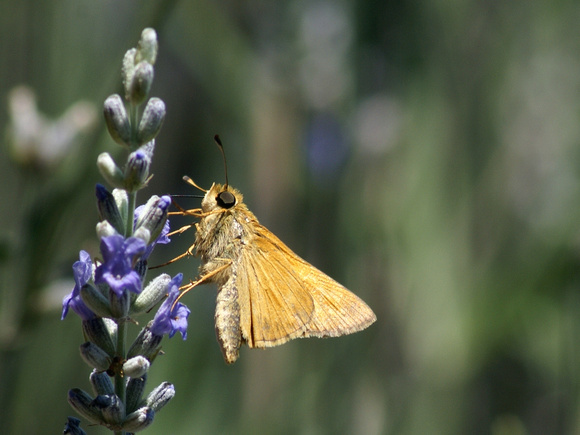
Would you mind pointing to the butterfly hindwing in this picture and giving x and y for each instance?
(289, 298)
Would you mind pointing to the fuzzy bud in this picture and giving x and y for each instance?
(117, 120)
(139, 419)
(105, 229)
(119, 304)
(137, 170)
(151, 121)
(136, 367)
(151, 295)
(73, 427)
(84, 405)
(94, 356)
(110, 171)
(147, 46)
(114, 412)
(97, 331)
(160, 396)
(108, 209)
(141, 82)
(122, 200)
(146, 344)
(135, 389)
(95, 300)
(128, 69)
(101, 383)
(154, 215)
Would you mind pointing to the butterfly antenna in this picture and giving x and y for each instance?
(190, 181)
(218, 142)
(187, 196)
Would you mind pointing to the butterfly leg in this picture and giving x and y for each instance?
(208, 277)
(179, 257)
(180, 230)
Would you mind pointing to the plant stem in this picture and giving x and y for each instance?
(130, 213)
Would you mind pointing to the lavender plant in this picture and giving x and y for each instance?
(110, 292)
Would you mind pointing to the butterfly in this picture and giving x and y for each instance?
(267, 295)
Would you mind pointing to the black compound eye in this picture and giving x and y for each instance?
(226, 199)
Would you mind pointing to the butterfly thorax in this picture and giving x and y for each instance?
(222, 232)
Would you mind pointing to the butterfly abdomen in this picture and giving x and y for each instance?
(227, 320)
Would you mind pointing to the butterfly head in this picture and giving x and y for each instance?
(221, 197)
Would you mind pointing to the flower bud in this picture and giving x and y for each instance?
(136, 367)
(73, 427)
(135, 388)
(97, 331)
(110, 171)
(147, 46)
(114, 412)
(151, 121)
(95, 300)
(139, 420)
(128, 69)
(154, 215)
(151, 295)
(140, 83)
(94, 356)
(146, 344)
(117, 120)
(111, 326)
(160, 396)
(83, 404)
(105, 229)
(119, 304)
(102, 401)
(108, 209)
(101, 383)
(143, 234)
(122, 200)
(137, 170)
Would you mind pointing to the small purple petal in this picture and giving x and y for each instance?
(119, 257)
(169, 318)
(79, 307)
(82, 272)
(179, 320)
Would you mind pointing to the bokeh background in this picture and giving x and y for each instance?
(424, 153)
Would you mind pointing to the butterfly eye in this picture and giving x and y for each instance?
(226, 199)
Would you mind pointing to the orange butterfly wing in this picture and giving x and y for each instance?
(283, 297)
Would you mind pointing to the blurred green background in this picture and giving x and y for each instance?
(426, 154)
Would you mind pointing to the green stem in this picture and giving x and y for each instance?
(130, 213)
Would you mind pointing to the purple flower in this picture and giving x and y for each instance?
(171, 317)
(82, 271)
(119, 258)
